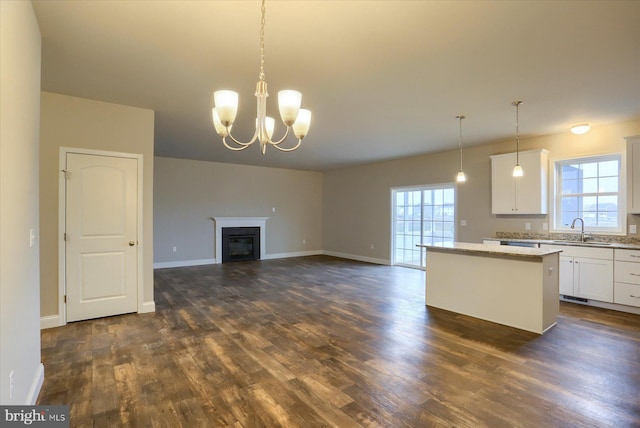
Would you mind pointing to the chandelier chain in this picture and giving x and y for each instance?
(261, 75)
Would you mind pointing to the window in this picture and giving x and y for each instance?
(592, 189)
(421, 215)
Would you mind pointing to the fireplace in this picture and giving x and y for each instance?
(240, 244)
(258, 223)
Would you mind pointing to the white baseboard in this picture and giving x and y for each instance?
(358, 258)
(294, 254)
(183, 263)
(605, 305)
(50, 321)
(36, 385)
(149, 306)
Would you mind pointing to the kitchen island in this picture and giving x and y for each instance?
(514, 286)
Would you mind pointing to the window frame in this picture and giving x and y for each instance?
(556, 187)
(421, 189)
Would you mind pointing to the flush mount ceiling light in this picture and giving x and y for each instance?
(517, 170)
(581, 128)
(295, 118)
(461, 178)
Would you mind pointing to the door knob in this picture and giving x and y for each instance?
(132, 243)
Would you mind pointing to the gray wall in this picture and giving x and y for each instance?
(188, 193)
(19, 140)
(357, 201)
(81, 123)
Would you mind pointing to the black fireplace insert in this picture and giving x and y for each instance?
(240, 244)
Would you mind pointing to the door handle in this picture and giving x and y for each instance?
(132, 243)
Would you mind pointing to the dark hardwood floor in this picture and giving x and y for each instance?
(321, 341)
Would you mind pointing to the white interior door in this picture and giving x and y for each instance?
(101, 236)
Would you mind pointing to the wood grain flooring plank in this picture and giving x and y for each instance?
(319, 341)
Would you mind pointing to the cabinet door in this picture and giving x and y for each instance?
(503, 191)
(593, 279)
(566, 276)
(633, 174)
(531, 195)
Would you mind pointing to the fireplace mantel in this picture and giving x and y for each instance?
(221, 222)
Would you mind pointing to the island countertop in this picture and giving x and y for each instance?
(490, 250)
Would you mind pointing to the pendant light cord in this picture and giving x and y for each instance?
(460, 138)
(517, 104)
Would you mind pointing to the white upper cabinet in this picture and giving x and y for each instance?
(520, 195)
(633, 174)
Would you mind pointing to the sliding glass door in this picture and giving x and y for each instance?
(421, 215)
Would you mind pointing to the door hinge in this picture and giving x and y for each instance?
(65, 298)
(65, 237)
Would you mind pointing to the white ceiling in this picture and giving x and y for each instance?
(384, 79)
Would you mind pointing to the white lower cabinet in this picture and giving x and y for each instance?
(566, 276)
(586, 272)
(593, 279)
(627, 277)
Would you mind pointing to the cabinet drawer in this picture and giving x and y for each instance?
(586, 252)
(627, 272)
(628, 255)
(626, 294)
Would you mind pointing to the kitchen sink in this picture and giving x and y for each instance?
(581, 243)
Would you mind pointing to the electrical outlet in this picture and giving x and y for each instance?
(527, 226)
(175, 249)
(273, 209)
(372, 246)
(304, 241)
(633, 228)
(545, 226)
(463, 223)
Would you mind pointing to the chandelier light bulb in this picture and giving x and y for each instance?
(461, 178)
(289, 103)
(226, 106)
(302, 123)
(220, 128)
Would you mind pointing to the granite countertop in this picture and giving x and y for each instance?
(493, 250)
(588, 243)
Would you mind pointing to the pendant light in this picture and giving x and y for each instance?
(461, 178)
(517, 170)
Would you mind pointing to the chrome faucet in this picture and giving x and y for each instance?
(573, 226)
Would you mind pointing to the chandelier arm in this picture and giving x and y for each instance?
(290, 149)
(235, 149)
(284, 137)
(240, 143)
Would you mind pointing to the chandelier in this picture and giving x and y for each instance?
(295, 118)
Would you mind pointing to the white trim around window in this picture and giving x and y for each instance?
(592, 225)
